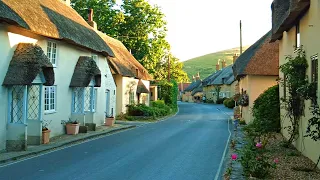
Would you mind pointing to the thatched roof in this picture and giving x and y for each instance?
(222, 78)
(196, 90)
(124, 63)
(208, 80)
(141, 88)
(262, 58)
(193, 85)
(27, 62)
(53, 19)
(85, 70)
(285, 15)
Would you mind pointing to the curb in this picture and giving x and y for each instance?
(76, 140)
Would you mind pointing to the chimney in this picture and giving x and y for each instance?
(182, 87)
(235, 57)
(193, 78)
(223, 63)
(198, 76)
(90, 19)
(67, 2)
(218, 65)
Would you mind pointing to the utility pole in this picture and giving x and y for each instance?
(240, 37)
(169, 68)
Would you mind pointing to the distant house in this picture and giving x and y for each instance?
(256, 70)
(295, 23)
(193, 93)
(53, 67)
(132, 79)
(182, 87)
(220, 84)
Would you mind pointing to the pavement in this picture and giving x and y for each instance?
(187, 146)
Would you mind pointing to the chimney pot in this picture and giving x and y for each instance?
(223, 63)
(90, 15)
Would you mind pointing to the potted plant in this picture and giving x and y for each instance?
(72, 127)
(109, 120)
(45, 132)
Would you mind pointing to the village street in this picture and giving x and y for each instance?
(187, 146)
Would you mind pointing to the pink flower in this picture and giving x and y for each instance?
(259, 145)
(276, 160)
(234, 157)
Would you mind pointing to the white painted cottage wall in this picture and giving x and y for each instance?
(67, 57)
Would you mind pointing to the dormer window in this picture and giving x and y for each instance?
(298, 42)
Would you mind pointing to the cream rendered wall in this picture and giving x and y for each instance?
(208, 91)
(254, 85)
(309, 35)
(124, 84)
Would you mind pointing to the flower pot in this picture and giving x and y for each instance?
(72, 128)
(45, 136)
(109, 121)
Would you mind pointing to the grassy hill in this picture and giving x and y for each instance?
(206, 64)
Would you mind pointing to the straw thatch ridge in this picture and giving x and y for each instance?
(27, 62)
(262, 58)
(124, 62)
(286, 14)
(141, 88)
(208, 80)
(196, 90)
(85, 70)
(53, 19)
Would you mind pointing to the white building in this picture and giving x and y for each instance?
(53, 67)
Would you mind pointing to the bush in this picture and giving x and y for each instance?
(169, 93)
(158, 103)
(229, 103)
(220, 100)
(266, 111)
(142, 110)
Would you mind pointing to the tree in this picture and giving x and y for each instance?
(140, 26)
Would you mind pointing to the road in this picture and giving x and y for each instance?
(188, 146)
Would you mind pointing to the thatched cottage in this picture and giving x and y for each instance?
(193, 93)
(132, 79)
(256, 70)
(296, 23)
(53, 67)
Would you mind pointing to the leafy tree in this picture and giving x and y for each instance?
(142, 29)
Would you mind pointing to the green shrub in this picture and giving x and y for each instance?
(169, 93)
(266, 111)
(158, 103)
(229, 103)
(142, 110)
(220, 100)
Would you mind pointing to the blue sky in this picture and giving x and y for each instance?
(199, 27)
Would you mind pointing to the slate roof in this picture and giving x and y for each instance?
(196, 90)
(53, 19)
(262, 58)
(223, 77)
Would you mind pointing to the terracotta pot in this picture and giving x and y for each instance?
(72, 128)
(109, 121)
(45, 136)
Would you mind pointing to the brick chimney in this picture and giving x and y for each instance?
(223, 63)
(235, 57)
(198, 76)
(218, 65)
(193, 78)
(90, 19)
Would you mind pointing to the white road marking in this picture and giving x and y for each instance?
(225, 149)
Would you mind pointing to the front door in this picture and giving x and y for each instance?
(108, 112)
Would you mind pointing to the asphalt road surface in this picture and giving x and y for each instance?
(188, 146)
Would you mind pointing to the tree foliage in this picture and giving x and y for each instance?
(141, 27)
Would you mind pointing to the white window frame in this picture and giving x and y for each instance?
(228, 94)
(131, 98)
(95, 58)
(52, 56)
(49, 91)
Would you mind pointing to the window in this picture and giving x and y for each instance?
(52, 53)
(131, 97)
(314, 72)
(298, 36)
(50, 96)
(228, 94)
(84, 100)
(90, 99)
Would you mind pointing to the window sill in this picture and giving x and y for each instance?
(49, 112)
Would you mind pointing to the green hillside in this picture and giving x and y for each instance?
(206, 64)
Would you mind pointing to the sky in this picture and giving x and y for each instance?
(199, 27)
